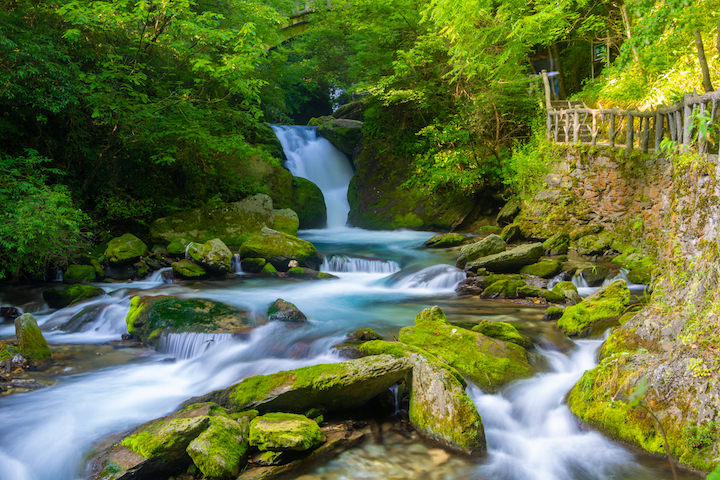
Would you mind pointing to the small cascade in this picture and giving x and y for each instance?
(313, 157)
(438, 278)
(157, 276)
(340, 263)
(188, 345)
(58, 276)
(235, 265)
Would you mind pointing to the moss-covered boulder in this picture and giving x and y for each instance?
(439, 409)
(62, 297)
(309, 204)
(490, 245)
(214, 256)
(508, 212)
(607, 303)
(593, 244)
(503, 286)
(308, 273)
(512, 233)
(178, 246)
(641, 268)
(219, 452)
(344, 134)
(233, 223)
(125, 249)
(286, 221)
(79, 274)
(488, 362)
(279, 248)
(31, 342)
(553, 313)
(509, 261)
(188, 269)
(285, 312)
(284, 431)
(445, 240)
(558, 244)
(567, 290)
(252, 265)
(502, 331)
(151, 317)
(332, 387)
(543, 269)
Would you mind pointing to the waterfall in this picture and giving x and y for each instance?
(313, 157)
(438, 278)
(346, 264)
(188, 345)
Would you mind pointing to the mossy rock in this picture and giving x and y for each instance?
(511, 233)
(151, 317)
(553, 313)
(606, 303)
(439, 409)
(558, 244)
(332, 387)
(284, 431)
(284, 311)
(503, 288)
(219, 452)
(509, 211)
(178, 246)
(364, 335)
(509, 261)
(62, 297)
(308, 274)
(252, 265)
(214, 256)
(31, 342)
(279, 248)
(269, 269)
(546, 269)
(567, 290)
(286, 221)
(641, 268)
(344, 134)
(125, 249)
(488, 362)
(502, 331)
(445, 240)
(489, 245)
(584, 231)
(188, 269)
(593, 244)
(309, 204)
(80, 274)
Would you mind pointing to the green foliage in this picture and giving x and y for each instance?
(525, 171)
(39, 225)
(700, 437)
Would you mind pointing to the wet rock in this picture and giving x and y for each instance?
(553, 313)
(558, 244)
(279, 248)
(214, 256)
(308, 273)
(471, 286)
(219, 452)
(594, 275)
(178, 246)
(31, 342)
(125, 249)
(150, 318)
(252, 265)
(489, 245)
(286, 221)
(188, 269)
(641, 268)
(568, 290)
(510, 260)
(79, 274)
(82, 318)
(333, 387)
(511, 233)
(343, 133)
(284, 431)
(543, 269)
(9, 313)
(606, 303)
(593, 244)
(508, 213)
(309, 204)
(285, 312)
(445, 240)
(502, 331)
(62, 297)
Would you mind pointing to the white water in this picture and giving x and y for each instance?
(186, 345)
(345, 264)
(313, 157)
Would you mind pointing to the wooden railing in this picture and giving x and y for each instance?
(573, 122)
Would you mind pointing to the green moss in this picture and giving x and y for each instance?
(269, 269)
(543, 269)
(166, 438)
(60, 298)
(445, 240)
(279, 248)
(286, 221)
(502, 331)
(558, 244)
(552, 296)
(188, 269)
(284, 431)
(296, 271)
(325, 275)
(408, 220)
(511, 233)
(309, 204)
(79, 274)
(218, 451)
(256, 388)
(553, 313)
(30, 340)
(566, 289)
(177, 246)
(607, 303)
(127, 248)
(506, 287)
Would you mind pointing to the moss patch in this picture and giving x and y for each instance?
(284, 431)
(606, 303)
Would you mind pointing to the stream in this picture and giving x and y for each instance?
(385, 279)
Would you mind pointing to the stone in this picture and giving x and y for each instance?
(508, 261)
(543, 269)
(511, 233)
(252, 265)
(219, 452)
(279, 248)
(553, 313)
(285, 312)
(446, 240)
(332, 387)
(488, 362)
(309, 204)
(178, 246)
(188, 269)
(214, 256)
(606, 303)
(284, 431)
(79, 274)
(567, 290)
(489, 245)
(62, 297)
(308, 273)
(593, 244)
(344, 134)
(509, 211)
(502, 331)
(558, 244)
(30, 341)
(150, 318)
(125, 249)
(286, 221)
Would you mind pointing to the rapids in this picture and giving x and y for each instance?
(385, 280)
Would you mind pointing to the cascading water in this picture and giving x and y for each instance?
(313, 157)
(345, 264)
(188, 345)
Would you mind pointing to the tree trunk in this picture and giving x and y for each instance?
(707, 85)
(718, 39)
(561, 76)
(628, 32)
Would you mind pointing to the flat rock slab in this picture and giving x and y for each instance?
(510, 261)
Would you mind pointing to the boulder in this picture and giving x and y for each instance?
(233, 223)
(284, 431)
(439, 409)
(508, 261)
(558, 244)
(333, 387)
(593, 244)
(543, 269)
(641, 268)
(445, 240)
(553, 313)
(502, 331)
(511, 233)
(490, 245)
(125, 249)
(508, 212)
(503, 286)
(79, 274)
(219, 452)
(188, 269)
(178, 246)
(252, 265)
(279, 248)
(286, 221)
(309, 204)
(606, 303)
(567, 290)
(214, 256)
(31, 342)
(308, 273)
(285, 312)
(344, 134)
(150, 318)
(62, 297)
(488, 362)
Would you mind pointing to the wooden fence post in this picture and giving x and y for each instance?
(629, 131)
(659, 120)
(612, 129)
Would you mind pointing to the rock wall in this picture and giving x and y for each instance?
(670, 208)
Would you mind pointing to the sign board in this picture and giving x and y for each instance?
(599, 52)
